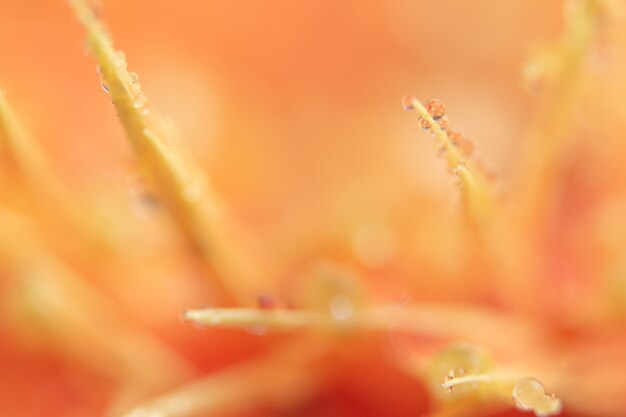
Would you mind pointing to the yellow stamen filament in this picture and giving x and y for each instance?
(20, 148)
(180, 182)
(281, 380)
(550, 136)
(33, 170)
(74, 318)
(472, 324)
(508, 378)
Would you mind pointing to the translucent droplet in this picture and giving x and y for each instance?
(341, 308)
(120, 60)
(104, 86)
(527, 392)
(407, 102)
(133, 77)
(547, 405)
(444, 123)
(332, 289)
(455, 361)
(454, 135)
(102, 83)
(435, 108)
(424, 124)
(447, 389)
(467, 146)
(140, 101)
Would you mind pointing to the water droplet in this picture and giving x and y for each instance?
(102, 83)
(341, 308)
(140, 101)
(120, 61)
(454, 135)
(407, 102)
(547, 405)
(446, 388)
(104, 86)
(133, 77)
(423, 123)
(444, 123)
(467, 146)
(455, 361)
(435, 108)
(526, 392)
(458, 372)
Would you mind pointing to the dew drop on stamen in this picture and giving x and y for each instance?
(547, 405)
(133, 77)
(120, 59)
(341, 308)
(104, 86)
(140, 101)
(526, 393)
(407, 102)
(444, 123)
(424, 124)
(467, 146)
(435, 108)
(454, 135)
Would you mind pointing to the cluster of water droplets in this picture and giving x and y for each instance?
(457, 361)
(530, 395)
(140, 102)
(437, 110)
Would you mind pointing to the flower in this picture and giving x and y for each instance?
(319, 233)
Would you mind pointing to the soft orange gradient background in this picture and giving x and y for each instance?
(293, 107)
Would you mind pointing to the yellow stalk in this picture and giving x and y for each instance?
(32, 168)
(21, 149)
(549, 138)
(281, 380)
(180, 182)
(47, 299)
(441, 321)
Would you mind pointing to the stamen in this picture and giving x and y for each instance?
(178, 179)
